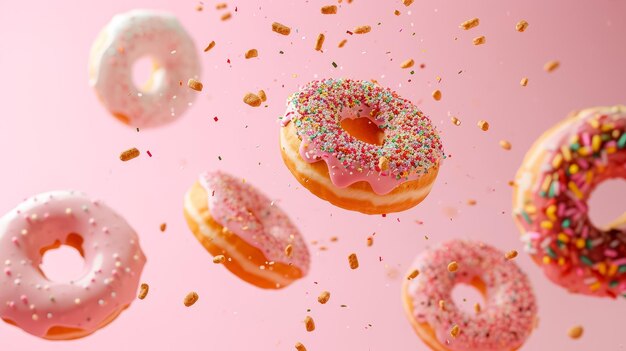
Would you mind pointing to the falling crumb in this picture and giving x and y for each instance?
(226, 16)
(324, 297)
(453, 266)
(280, 28)
(288, 250)
(342, 43)
(383, 163)
(477, 307)
(251, 53)
(252, 100)
(575, 332)
(396, 12)
(354, 261)
(437, 95)
(262, 95)
(194, 84)
(329, 10)
(300, 347)
(479, 40)
(319, 42)
(523, 82)
(407, 64)
(442, 305)
(454, 332)
(334, 239)
(521, 26)
(129, 154)
(550, 66)
(219, 259)
(143, 291)
(221, 6)
(505, 144)
(199, 8)
(483, 125)
(455, 121)
(469, 24)
(407, 2)
(471, 202)
(413, 274)
(210, 46)
(370, 241)
(362, 29)
(510, 255)
(163, 226)
(309, 324)
(190, 299)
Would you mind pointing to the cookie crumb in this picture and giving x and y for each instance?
(453, 266)
(454, 332)
(262, 95)
(300, 347)
(413, 274)
(550, 66)
(523, 82)
(129, 154)
(252, 100)
(407, 64)
(354, 261)
(479, 40)
(521, 26)
(280, 28)
(251, 53)
(309, 324)
(163, 226)
(219, 259)
(194, 84)
(288, 250)
(143, 291)
(483, 125)
(505, 144)
(329, 10)
(190, 299)
(470, 23)
(510, 255)
(324, 297)
(362, 29)
(437, 95)
(575, 332)
(319, 42)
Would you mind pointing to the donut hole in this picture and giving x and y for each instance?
(63, 261)
(604, 209)
(146, 74)
(465, 295)
(362, 128)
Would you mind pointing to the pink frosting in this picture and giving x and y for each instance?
(411, 146)
(113, 263)
(249, 214)
(506, 319)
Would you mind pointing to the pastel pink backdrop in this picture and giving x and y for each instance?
(54, 134)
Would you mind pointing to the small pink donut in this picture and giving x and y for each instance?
(129, 37)
(502, 324)
(66, 310)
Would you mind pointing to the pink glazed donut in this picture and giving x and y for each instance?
(129, 37)
(66, 310)
(502, 324)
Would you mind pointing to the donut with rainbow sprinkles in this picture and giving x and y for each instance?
(550, 206)
(360, 146)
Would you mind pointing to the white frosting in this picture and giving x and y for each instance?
(134, 35)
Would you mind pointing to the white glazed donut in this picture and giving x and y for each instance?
(129, 37)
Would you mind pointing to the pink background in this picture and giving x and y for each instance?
(54, 134)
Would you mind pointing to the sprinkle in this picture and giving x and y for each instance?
(483, 125)
(262, 95)
(309, 324)
(455, 121)
(413, 274)
(479, 40)
(469, 24)
(252, 100)
(454, 332)
(190, 299)
(329, 10)
(300, 347)
(354, 261)
(551, 66)
(163, 226)
(324, 297)
(219, 259)
(148, 152)
(521, 26)
(370, 241)
(226, 16)
(510, 255)
(280, 28)
(288, 250)
(210, 46)
(437, 95)
(408, 63)
(362, 29)
(524, 82)
(251, 53)
(505, 144)
(143, 291)
(334, 64)
(342, 43)
(407, 2)
(319, 42)
(194, 84)
(575, 332)
(453, 266)
(129, 154)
